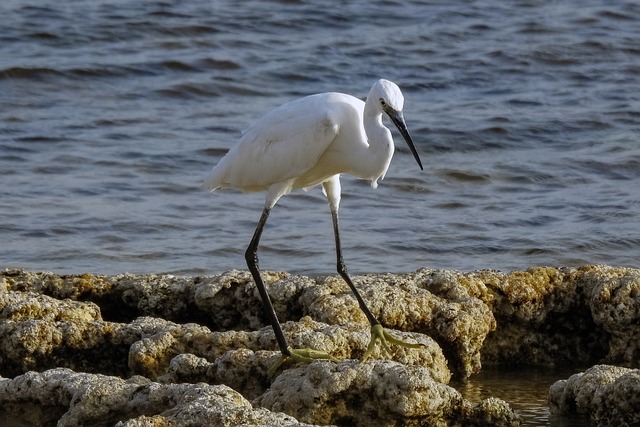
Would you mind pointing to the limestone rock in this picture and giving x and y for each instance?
(187, 368)
(613, 295)
(543, 318)
(151, 355)
(84, 286)
(171, 335)
(229, 301)
(158, 295)
(242, 352)
(458, 323)
(19, 306)
(492, 412)
(76, 399)
(382, 393)
(610, 395)
(43, 344)
(233, 302)
(120, 297)
(349, 341)
(244, 370)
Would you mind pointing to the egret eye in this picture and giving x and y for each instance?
(383, 103)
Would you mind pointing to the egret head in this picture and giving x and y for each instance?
(388, 94)
(391, 102)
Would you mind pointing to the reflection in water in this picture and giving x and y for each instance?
(525, 390)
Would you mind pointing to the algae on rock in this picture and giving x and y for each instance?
(185, 342)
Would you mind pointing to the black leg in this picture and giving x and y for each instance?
(251, 255)
(342, 270)
(377, 331)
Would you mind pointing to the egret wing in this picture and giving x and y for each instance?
(282, 145)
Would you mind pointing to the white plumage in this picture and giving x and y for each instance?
(308, 142)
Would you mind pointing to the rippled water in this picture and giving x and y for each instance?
(526, 114)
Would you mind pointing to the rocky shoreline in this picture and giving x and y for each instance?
(162, 350)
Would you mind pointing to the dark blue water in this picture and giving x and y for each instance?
(526, 115)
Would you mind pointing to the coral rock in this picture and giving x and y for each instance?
(381, 393)
(76, 399)
(610, 395)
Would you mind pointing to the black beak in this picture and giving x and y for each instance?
(398, 119)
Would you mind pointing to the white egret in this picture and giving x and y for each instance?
(308, 142)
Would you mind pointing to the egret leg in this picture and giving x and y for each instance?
(299, 355)
(377, 331)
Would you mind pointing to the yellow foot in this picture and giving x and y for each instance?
(378, 333)
(301, 355)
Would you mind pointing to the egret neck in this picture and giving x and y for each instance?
(380, 150)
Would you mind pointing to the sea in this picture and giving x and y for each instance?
(526, 115)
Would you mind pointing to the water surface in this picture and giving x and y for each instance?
(526, 391)
(526, 115)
